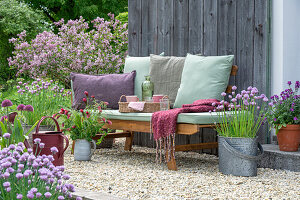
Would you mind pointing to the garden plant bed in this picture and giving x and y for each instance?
(135, 175)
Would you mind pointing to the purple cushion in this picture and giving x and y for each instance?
(105, 87)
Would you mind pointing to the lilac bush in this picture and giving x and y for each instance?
(26, 176)
(242, 116)
(76, 48)
(285, 108)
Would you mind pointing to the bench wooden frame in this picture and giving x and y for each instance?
(131, 126)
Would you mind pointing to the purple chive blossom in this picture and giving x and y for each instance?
(265, 99)
(6, 135)
(30, 195)
(289, 82)
(42, 145)
(28, 108)
(223, 94)
(60, 198)
(54, 150)
(19, 196)
(38, 195)
(8, 189)
(6, 103)
(20, 107)
(37, 140)
(295, 119)
(234, 87)
(19, 176)
(34, 190)
(6, 184)
(48, 194)
(78, 198)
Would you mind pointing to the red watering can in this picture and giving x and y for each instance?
(50, 139)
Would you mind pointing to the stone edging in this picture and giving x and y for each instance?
(89, 195)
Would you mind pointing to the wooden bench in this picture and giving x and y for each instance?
(129, 127)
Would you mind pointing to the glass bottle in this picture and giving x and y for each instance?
(147, 89)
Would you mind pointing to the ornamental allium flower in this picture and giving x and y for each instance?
(6, 103)
(265, 99)
(38, 195)
(28, 108)
(8, 189)
(42, 145)
(54, 150)
(48, 194)
(234, 87)
(37, 140)
(66, 177)
(60, 198)
(6, 184)
(20, 107)
(30, 195)
(6, 135)
(34, 190)
(223, 94)
(19, 196)
(78, 198)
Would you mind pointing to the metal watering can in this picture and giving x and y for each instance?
(50, 139)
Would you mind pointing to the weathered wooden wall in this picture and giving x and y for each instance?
(209, 27)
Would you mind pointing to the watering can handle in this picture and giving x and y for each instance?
(67, 144)
(241, 155)
(94, 148)
(42, 119)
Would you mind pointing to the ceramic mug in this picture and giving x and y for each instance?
(157, 98)
(132, 98)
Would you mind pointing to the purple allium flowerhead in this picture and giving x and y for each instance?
(38, 195)
(78, 198)
(48, 194)
(60, 198)
(6, 184)
(6, 103)
(30, 195)
(37, 140)
(6, 175)
(265, 99)
(223, 94)
(295, 119)
(19, 176)
(34, 190)
(12, 147)
(28, 108)
(29, 150)
(66, 177)
(289, 82)
(271, 104)
(6, 135)
(8, 189)
(246, 96)
(42, 145)
(20, 107)
(234, 87)
(54, 150)
(19, 196)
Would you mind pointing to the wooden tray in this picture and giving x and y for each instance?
(149, 107)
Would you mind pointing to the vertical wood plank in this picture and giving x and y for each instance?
(260, 65)
(245, 31)
(195, 26)
(165, 26)
(181, 28)
(210, 30)
(134, 27)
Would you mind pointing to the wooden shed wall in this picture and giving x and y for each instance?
(209, 27)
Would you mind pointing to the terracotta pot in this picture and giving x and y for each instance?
(289, 137)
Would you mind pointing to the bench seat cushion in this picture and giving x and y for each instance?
(189, 118)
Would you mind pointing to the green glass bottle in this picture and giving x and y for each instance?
(147, 89)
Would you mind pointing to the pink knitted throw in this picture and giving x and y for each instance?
(164, 124)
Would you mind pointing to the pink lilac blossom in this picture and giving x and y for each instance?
(76, 48)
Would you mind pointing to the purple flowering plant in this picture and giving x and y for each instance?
(24, 175)
(242, 115)
(285, 108)
(75, 48)
(44, 97)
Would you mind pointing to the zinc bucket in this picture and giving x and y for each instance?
(51, 139)
(239, 156)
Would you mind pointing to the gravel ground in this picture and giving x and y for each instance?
(135, 175)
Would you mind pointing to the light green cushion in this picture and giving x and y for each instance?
(203, 77)
(142, 67)
(189, 118)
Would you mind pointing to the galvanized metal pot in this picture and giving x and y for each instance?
(238, 156)
(83, 151)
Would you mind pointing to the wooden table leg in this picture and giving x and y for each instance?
(129, 141)
(172, 163)
(73, 145)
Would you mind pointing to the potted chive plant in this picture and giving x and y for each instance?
(284, 115)
(239, 120)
